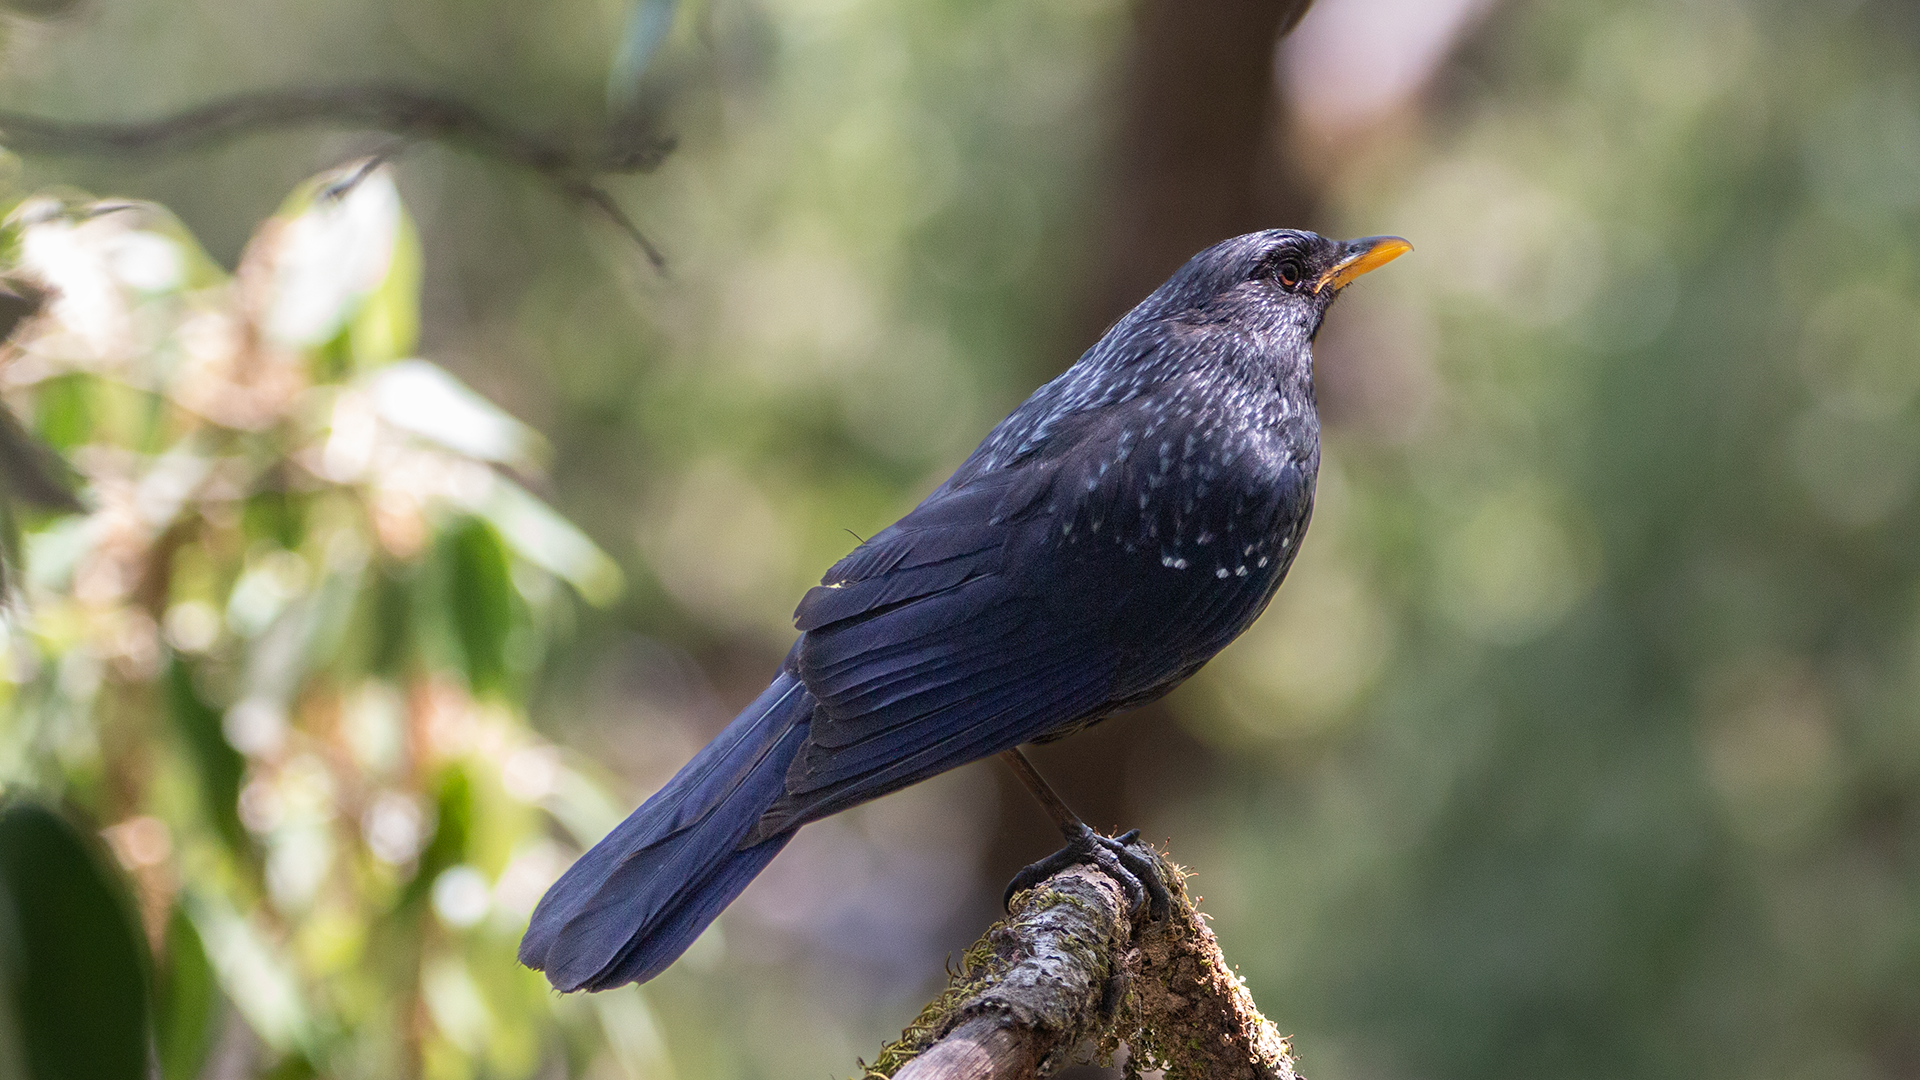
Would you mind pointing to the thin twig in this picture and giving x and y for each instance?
(599, 198)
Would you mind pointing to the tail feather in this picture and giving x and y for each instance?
(640, 897)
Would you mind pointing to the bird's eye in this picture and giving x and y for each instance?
(1287, 272)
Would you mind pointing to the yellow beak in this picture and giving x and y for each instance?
(1372, 253)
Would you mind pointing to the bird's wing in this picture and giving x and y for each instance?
(933, 645)
(1028, 599)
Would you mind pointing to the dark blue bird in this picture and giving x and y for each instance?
(1105, 541)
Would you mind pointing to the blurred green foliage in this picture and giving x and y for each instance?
(1580, 743)
(281, 653)
(1596, 750)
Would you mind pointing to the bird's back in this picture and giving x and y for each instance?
(1103, 544)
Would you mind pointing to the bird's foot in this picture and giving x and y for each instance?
(1124, 858)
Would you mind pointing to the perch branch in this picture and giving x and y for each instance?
(411, 115)
(1069, 968)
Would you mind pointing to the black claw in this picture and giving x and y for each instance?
(1144, 863)
(1134, 865)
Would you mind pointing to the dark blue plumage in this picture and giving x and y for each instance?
(1105, 541)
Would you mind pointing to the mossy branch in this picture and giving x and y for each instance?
(1069, 973)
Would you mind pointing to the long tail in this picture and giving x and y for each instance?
(632, 904)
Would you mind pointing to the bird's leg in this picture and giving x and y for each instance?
(1134, 865)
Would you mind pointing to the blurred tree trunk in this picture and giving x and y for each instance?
(1197, 157)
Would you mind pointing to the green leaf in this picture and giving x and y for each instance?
(537, 533)
(219, 765)
(425, 399)
(255, 973)
(391, 595)
(187, 1003)
(387, 326)
(275, 514)
(335, 248)
(454, 813)
(71, 952)
(63, 410)
(480, 594)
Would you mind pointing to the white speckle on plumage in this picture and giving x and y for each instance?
(1221, 572)
(1262, 564)
(1240, 571)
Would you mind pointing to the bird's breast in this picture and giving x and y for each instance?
(1177, 517)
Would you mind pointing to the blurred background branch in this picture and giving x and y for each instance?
(410, 115)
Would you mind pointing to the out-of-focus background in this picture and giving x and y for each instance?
(429, 527)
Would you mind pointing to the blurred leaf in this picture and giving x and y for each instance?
(458, 1008)
(451, 835)
(78, 964)
(219, 766)
(330, 251)
(275, 514)
(187, 1002)
(291, 1068)
(31, 472)
(387, 326)
(260, 980)
(646, 27)
(422, 398)
(18, 301)
(63, 411)
(632, 1032)
(481, 597)
(541, 536)
(390, 604)
(53, 551)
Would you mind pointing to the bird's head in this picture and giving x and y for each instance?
(1279, 282)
